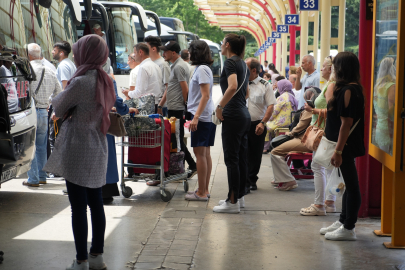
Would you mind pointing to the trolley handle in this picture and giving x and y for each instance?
(155, 116)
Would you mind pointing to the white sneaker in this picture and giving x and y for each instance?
(76, 266)
(227, 207)
(97, 262)
(341, 234)
(241, 202)
(331, 228)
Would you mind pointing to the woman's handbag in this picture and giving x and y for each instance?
(117, 127)
(279, 140)
(314, 133)
(214, 118)
(325, 151)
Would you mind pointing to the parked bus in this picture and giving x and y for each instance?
(172, 29)
(216, 55)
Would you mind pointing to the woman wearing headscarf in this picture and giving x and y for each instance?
(81, 151)
(283, 178)
(384, 104)
(281, 117)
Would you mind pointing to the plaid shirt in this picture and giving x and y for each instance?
(49, 88)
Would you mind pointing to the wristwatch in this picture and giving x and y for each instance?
(220, 107)
(338, 152)
(261, 122)
(160, 107)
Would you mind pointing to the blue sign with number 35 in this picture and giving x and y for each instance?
(292, 19)
(309, 5)
(282, 28)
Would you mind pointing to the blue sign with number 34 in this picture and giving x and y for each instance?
(309, 5)
(292, 19)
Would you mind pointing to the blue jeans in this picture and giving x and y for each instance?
(79, 198)
(36, 174)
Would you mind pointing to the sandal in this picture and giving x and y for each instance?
(153, 183)
(312, 210)
(194, 197)
(191, 192)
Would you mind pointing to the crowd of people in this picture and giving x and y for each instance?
(73, 102)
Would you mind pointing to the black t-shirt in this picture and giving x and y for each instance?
(236, 107)
(355, 143)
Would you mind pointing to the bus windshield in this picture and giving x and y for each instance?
(182, 39)
(124, 36)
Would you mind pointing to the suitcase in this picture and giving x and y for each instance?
(150, 156)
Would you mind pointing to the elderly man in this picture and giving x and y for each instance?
(98, 31)
(260, 104)
(149, 78)
(43, 90)
(310, 79)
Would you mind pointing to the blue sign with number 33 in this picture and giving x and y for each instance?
(309, 5)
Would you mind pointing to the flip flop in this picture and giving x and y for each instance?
(195, 197)
(191, 192)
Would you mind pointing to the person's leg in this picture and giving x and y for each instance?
(209, 168)
(255, 147)
(352, 197)
(202, 166)
(243, 163)
(41, 143)
(95, 202)
(78, 201)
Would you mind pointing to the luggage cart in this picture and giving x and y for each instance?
(149, 139)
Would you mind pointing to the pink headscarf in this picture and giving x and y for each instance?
(91, 52)
(284, 86)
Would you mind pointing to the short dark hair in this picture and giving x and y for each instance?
(184, 54)
(255, 64)
(279, 78)
(154, 42)
(143, 47)
(63, 46)
(266, 61)
(267, 75)
(200, 53)
(237, 44)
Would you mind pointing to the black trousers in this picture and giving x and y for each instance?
(351, 200)
(235, 145)
(255, 152)
(179, 115)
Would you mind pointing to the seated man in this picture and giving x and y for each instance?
(282, 175)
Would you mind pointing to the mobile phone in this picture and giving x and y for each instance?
(310, 103)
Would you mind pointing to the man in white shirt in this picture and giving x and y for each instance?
(66, 68)
(312, 77)
(266, 66)
(98, 31)
(185, 55)
(260, 104)
(154, 54)
(134, 66)
(149, 78)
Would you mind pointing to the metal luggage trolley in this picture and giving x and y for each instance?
(149, 139)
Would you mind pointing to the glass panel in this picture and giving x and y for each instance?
(216, 66)
(385, 74)
(124, 37)
(37, 27)
(62, 24)
(12, 26)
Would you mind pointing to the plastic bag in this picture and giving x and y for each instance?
(175, 136)
(336, 184)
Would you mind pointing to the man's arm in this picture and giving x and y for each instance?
(298, 84)
(64, 83)
(141, 87)
(184, 90)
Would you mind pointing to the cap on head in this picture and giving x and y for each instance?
(171, 46)
(96, 26)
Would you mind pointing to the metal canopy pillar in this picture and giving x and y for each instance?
(303, 36)
(325, 28)
(342, 19)
(292, 34)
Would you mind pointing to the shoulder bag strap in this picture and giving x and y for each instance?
(246, 68)
(351, 130)
(40, 81)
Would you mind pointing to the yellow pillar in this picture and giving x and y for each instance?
(284, 53)
(325, 28)
(316, 37)
(386, 203)
(303, 36)
(342, 18)
(278, 55)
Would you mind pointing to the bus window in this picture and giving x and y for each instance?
(62, 24)
(182, 39)
(34, 32)
(124, 37)
(12, 26)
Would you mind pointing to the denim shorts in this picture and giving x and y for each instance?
(204, 135)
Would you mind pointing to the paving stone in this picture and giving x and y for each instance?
(179, 252)
(184, 242)
(169, 221)
(191, 221)
(178, 259)
(197, 203)
(176, 266)
(160, 241)
(254, 212)
(150, 259)
(148, 265)
(185, 236)
(156, 246)
(155, 252)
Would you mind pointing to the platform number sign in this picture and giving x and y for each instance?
(282, 28)
(292, 19)
(306, 5)
(275, 35)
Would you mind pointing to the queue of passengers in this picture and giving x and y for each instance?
(83, 94)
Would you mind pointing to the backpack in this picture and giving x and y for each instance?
(4, 113)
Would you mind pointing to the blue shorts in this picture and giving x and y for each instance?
(204, 135)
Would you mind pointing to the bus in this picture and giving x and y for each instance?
(216, 55)
(172, 29)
